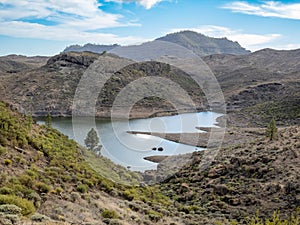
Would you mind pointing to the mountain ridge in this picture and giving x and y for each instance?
(198, 43)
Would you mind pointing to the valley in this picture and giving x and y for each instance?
(232, 173)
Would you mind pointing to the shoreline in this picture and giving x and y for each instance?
(135, 115)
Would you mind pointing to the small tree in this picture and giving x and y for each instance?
(29, 121)
(271, 131)
(48, 121)
(92, 140)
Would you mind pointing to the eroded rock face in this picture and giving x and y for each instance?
(84, 59)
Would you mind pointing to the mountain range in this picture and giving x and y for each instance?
(48, 179)
(252, 82)
(198, 43)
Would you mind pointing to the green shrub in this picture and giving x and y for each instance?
(6, 191)
(275, 220)
(39, 217)
(59, 190)
(10, 209)
(26, 205)
(42, 187)
(8, 219)
(26, 180)
(109, 214)
(7, 162)
(21, 190)
(82, 188)
(75, 196)
(3, 150)
(154, 216)
(128, 195)
(35, 198)
(3, 140)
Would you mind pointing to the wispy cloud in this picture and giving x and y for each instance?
(67, 20)
(250, 41)
(266, 9)
(148, 4)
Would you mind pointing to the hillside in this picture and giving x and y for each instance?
(51, 88)
(18, 63)
(260, 176)
(203, 45)
(259, 86)
(48, 179)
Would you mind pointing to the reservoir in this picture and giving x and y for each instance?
(129, 150)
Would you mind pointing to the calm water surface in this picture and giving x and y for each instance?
(130, 149)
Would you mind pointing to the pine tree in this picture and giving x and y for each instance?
(271, 131)
(48, 121)
(92, 140)
(29, 121)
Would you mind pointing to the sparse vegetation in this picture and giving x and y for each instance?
(26, 205)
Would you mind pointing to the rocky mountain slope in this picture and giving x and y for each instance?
(17, 63)
(198, 43)
(259, 86)
(203, 45)
(51, 88)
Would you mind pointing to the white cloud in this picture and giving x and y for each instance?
(67, 20)
(148, 4)
(267, 9)
(25, 29)
(252, 42)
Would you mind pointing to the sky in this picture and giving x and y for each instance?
(46, 27)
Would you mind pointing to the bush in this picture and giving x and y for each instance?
(59, 190)
(128, 195)
(26, 205)
(42, 187)
(109, 214)
(6, 191)
(35, 198)
(2, 150)
(10, 209)
(82, 188)
(154, 216)
(39, 217)
(7, 162)
(8, 219)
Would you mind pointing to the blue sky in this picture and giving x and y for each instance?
(46, 27)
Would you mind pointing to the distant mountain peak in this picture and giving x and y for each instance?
(203, 45)
(90, 48)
